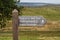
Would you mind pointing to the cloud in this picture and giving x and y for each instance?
(45, 1)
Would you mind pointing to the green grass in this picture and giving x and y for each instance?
(6, 38)
(32, 35)
(49, 12)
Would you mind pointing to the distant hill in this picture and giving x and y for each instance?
(36, 4)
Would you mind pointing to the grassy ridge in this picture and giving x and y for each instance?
(49, 12)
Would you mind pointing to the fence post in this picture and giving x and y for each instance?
(15, 24)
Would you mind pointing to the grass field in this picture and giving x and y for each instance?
(50, 31)
(49, 12)
(32, 35)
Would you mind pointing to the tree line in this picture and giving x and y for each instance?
(6, 7)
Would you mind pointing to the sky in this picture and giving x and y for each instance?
(42, 1)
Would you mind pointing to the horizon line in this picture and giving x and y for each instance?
(39, 2)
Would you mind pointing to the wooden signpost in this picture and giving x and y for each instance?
(15, 24)
(24, 21)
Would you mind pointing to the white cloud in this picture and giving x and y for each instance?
(45, 1)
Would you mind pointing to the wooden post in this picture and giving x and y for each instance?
(15, 24)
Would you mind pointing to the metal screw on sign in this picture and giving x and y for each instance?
(15, 24)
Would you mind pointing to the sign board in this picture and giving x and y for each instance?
(31, 21)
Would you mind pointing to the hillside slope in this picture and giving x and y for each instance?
(49, 12)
